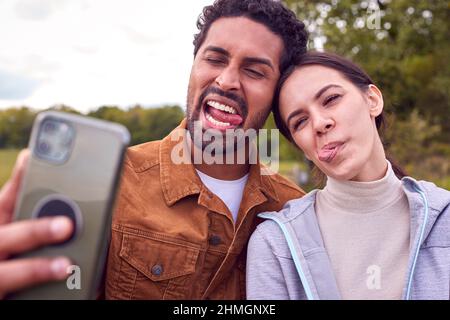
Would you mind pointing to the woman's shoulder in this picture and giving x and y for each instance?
(291, 209)
(438, 198)
(271, 227)
(272, 232)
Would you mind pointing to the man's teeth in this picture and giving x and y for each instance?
(216, 122)
(220, 106)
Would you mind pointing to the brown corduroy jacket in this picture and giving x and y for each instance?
(174, 239)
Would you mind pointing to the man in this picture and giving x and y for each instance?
(180, 229)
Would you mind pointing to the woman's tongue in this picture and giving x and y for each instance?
(325, 154)
(222, 116)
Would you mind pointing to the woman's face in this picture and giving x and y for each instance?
(333, 122)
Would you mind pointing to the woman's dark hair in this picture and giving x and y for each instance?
(273, 14)
(351, 72)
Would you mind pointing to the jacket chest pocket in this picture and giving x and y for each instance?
(157, 269)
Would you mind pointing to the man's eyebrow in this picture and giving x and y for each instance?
(292, 115)
(321, 91)
(252, 60)
(247, 60)
(218, 50)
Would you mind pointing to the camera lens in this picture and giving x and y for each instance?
(49, 127)
(43, 147)
(54, 141)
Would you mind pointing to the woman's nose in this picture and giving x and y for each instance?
(323, 124)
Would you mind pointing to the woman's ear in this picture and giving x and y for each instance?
(375, 98)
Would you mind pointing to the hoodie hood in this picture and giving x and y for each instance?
(438, 200)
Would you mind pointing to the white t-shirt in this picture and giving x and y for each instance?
(229, 191)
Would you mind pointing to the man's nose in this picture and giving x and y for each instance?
(228, 79)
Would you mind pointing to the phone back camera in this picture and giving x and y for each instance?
(54, 141)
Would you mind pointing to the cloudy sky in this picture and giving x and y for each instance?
(88, 53)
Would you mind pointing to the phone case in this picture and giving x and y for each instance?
(82, 186)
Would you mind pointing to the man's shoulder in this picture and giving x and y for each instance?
(143, 156)
(140, 170)
(285, 188)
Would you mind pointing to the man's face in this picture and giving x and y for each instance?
(234, 75)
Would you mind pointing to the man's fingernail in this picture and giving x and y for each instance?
(60, 226)
(59, 267)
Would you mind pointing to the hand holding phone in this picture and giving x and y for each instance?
(18, 237)
(74, 169)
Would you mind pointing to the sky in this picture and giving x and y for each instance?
(89, 53)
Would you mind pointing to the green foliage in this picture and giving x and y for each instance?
(144, 124)
(413, 143)
(7, 160)
(15, 126)
(64, 108)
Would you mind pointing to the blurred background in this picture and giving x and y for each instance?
(129, 62)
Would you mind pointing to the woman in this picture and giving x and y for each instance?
(371, 233)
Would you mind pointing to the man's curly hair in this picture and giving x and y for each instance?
(273, 14)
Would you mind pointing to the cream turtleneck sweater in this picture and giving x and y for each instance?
(366, 232)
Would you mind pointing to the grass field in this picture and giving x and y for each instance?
(7, 160)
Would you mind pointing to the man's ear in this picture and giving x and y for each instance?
(375, 99)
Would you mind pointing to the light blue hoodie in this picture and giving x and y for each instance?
(287, 258)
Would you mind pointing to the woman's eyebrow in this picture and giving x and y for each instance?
(293, 114)
(321, 91)
(317, 96)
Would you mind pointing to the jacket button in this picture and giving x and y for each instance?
(215, 240)
(157, 270)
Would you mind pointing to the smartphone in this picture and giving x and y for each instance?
(74, 170)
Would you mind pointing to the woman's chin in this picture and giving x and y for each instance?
(339, 171)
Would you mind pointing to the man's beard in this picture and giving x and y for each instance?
(228, 143)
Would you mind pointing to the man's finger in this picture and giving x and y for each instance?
(26, 235)
(10, 190)
(19, 274)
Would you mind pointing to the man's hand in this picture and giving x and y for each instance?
(19, 237)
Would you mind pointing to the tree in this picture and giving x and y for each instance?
(15, 127)
(403, 45)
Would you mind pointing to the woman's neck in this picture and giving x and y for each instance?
(355, 196)
(376, 167)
